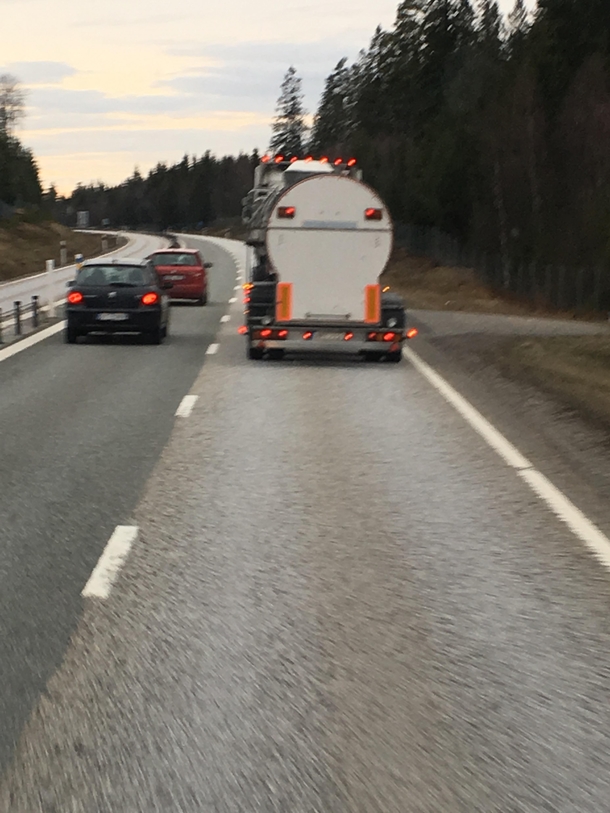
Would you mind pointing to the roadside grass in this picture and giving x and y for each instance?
(573, 369)
(576, 369)
(24, 247)
(427, 285)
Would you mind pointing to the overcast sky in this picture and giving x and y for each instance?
(122, 83)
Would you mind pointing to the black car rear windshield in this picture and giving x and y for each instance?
(131, 275)
(174, 259)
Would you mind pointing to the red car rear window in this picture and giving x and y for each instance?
(170, 258)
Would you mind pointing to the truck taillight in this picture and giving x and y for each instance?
(286, 212)
(352, 162)
(373, 214)
(412, 333)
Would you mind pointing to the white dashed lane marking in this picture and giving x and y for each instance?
(186, 406)
(212, 349)
(110, 562)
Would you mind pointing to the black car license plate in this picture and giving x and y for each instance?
(113, 317)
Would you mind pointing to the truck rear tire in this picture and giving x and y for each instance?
(276, 354)
(394, 357)
(255, 353)
(372, 357)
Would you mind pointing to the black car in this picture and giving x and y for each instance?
(117, 296)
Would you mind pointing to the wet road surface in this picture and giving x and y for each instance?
(340, 599)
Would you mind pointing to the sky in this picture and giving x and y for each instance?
(125, 83)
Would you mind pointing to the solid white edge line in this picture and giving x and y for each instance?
(186, 406)
(212, 349)
(567, 512)
(582, 527)
(226, 318)
(30, 341)
(506, 450)
(110, 562)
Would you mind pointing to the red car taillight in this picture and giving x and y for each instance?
(150, 298)
(75, 297)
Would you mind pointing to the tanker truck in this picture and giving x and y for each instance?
(318, 240)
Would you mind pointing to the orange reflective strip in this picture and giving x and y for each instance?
(283, 302)
(372, 304)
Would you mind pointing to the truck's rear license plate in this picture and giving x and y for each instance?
(174, 277)
(112, 317)
(331, 337)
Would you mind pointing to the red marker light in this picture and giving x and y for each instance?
(348, 336)
(242, 330)
(373, 214)
(352, 162)
(389, 337)
(324, 160)
(150, 298)
(307, 335)
(75, 297)
(372, 336)
(293, 159)
(309, 158)
(412, 333)
(265, 159)
(279, 159)
(286, 212)
(266, 333)
(338, 162)
(283, 334)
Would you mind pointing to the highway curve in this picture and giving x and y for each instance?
(341, 598)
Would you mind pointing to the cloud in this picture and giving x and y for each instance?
(248, 75)
(40, 73)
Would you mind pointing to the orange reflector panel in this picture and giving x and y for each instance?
(242, 330)
(412, 333)
(372, 304)
(75, 297)
(283, 302)
(150, 299)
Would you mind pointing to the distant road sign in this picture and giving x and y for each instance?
(82, 220)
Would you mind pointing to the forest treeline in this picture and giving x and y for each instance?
(494, 130)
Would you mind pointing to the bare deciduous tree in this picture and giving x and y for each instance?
(12, 103)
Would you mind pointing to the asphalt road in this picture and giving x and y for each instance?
(82, 427)
(340, 599)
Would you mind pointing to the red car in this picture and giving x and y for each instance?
(186, 270)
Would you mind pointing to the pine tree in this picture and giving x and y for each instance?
(289, 127)
(332, 122)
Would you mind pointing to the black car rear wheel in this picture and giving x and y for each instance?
(71, 335)
(156, 336)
